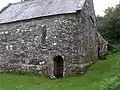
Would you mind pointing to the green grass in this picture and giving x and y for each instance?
(90, 81)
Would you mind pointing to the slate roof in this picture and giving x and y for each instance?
(39, 8)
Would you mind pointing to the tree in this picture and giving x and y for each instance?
(109, 25)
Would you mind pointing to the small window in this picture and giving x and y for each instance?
(92, 19)
(43, 38)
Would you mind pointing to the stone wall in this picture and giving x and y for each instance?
(31, 45)
(102, 47)
(87, 40)
(21, 45)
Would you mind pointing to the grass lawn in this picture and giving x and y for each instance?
(90, 81)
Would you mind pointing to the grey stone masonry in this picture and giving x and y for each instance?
(31, 45)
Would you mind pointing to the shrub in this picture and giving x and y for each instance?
(114, 47)
(112, 82)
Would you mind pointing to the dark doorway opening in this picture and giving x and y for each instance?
(99, 52)
(58, 67)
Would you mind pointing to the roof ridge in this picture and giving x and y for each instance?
(22, 2)
(4, 8)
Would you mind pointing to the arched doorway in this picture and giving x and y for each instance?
(58, 67)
